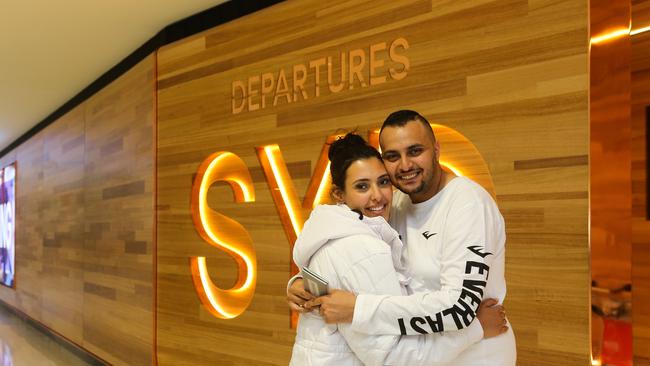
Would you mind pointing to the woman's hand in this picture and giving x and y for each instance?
(297, 296)
(336, 307)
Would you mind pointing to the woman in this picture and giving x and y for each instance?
(352, 246)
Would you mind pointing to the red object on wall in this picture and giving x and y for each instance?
(617, 343)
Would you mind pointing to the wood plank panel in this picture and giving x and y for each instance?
(517, 91)
(62, 219)
(118, 195)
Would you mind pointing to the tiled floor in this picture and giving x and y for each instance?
(23, 345)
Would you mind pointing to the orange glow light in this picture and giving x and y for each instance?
(325, 182)
(321, 182)
(224, 233)
(609, 36)
(618, 33)
(373, 139)
(634, 32)
(453, 169)
(281, 174)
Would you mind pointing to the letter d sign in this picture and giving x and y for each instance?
(225, 234)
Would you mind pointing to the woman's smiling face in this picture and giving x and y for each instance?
(367, 188)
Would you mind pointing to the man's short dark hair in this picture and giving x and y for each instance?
(401, 118)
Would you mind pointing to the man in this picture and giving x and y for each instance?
(454, 237)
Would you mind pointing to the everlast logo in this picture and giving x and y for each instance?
(477, 250)
(357, 68)
(427, 235)
(462, 312)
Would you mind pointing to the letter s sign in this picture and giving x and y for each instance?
(225, 234)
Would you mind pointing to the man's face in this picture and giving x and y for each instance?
(411, 159)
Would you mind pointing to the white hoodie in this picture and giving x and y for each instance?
(362, 256)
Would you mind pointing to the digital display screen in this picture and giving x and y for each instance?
(7, 224)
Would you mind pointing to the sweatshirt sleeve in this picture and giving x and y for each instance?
(376, 275)
(465, 265)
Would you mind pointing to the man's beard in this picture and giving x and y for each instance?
(419, 189)
(425, 185)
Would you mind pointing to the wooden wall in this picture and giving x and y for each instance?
(84, 262)
(510, 75)
(640, 224)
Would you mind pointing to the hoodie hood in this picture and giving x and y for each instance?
(330, 222)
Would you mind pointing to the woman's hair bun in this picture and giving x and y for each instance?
(345, 144)
(344, 152)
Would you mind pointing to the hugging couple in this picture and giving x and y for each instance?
(416, 276)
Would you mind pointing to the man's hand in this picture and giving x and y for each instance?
(492, 317)
(297, 296)
(336, 307)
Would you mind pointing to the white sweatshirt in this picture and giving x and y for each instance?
(361, 256)
(455, 247)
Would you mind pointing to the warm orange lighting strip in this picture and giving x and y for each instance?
(282, 189)
(321, 182)
(451, 167)
(225, 234)
(634, 32)
(618, 33)
(323, 187)
(611, 35)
